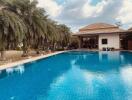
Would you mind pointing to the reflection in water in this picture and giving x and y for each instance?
(71, 76)
(9, 70)
(126, 74)
(19, 69)
(109, 56)
(36, 79)
(103, 61)
(68, 84)
(106, 83)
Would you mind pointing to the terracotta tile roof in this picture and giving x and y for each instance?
(99, 28)
(102, 31)
(130, 28)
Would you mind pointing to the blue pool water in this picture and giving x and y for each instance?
(70, 76)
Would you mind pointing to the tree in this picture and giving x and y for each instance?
(12, 28)
(22, 22)
(64, 33)
(53, 34)
(34, 20)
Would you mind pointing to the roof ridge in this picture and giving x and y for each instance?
(99, 26)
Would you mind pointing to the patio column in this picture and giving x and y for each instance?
(80, 42)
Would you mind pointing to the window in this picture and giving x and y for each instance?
(104, 41)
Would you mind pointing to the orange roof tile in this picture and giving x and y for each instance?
(99, 28)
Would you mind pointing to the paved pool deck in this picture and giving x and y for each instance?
(30, 59)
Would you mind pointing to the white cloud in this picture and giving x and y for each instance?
(51, 7)
(125, 14)
(90, 10)
(78, 13)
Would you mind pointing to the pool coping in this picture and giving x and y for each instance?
(28, 60)
(13, 64)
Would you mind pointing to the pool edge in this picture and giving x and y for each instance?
(13, 64)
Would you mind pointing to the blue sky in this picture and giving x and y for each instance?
(94, 2)
(60, 1)
(78, 13)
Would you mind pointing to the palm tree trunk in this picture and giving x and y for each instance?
(54, 46)
(25, 53)
(25, 49)
(2, 52)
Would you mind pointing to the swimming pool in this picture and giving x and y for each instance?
(70, 76)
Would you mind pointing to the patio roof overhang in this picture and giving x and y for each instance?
(100, 28)
(96, 34)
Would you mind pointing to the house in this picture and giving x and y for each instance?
(103, 35)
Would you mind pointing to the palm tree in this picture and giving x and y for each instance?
(53, 34)
(34, 20)
(64, 33)
(21, 21)
(12, 27)
(40, 28)
(58, 35)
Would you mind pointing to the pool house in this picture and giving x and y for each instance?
(102, 35)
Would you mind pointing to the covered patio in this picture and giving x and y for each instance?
(102, 35)
(88, 41)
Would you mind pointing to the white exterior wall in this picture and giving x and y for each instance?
(113, 41)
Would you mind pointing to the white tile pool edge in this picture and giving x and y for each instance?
(13, 64)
